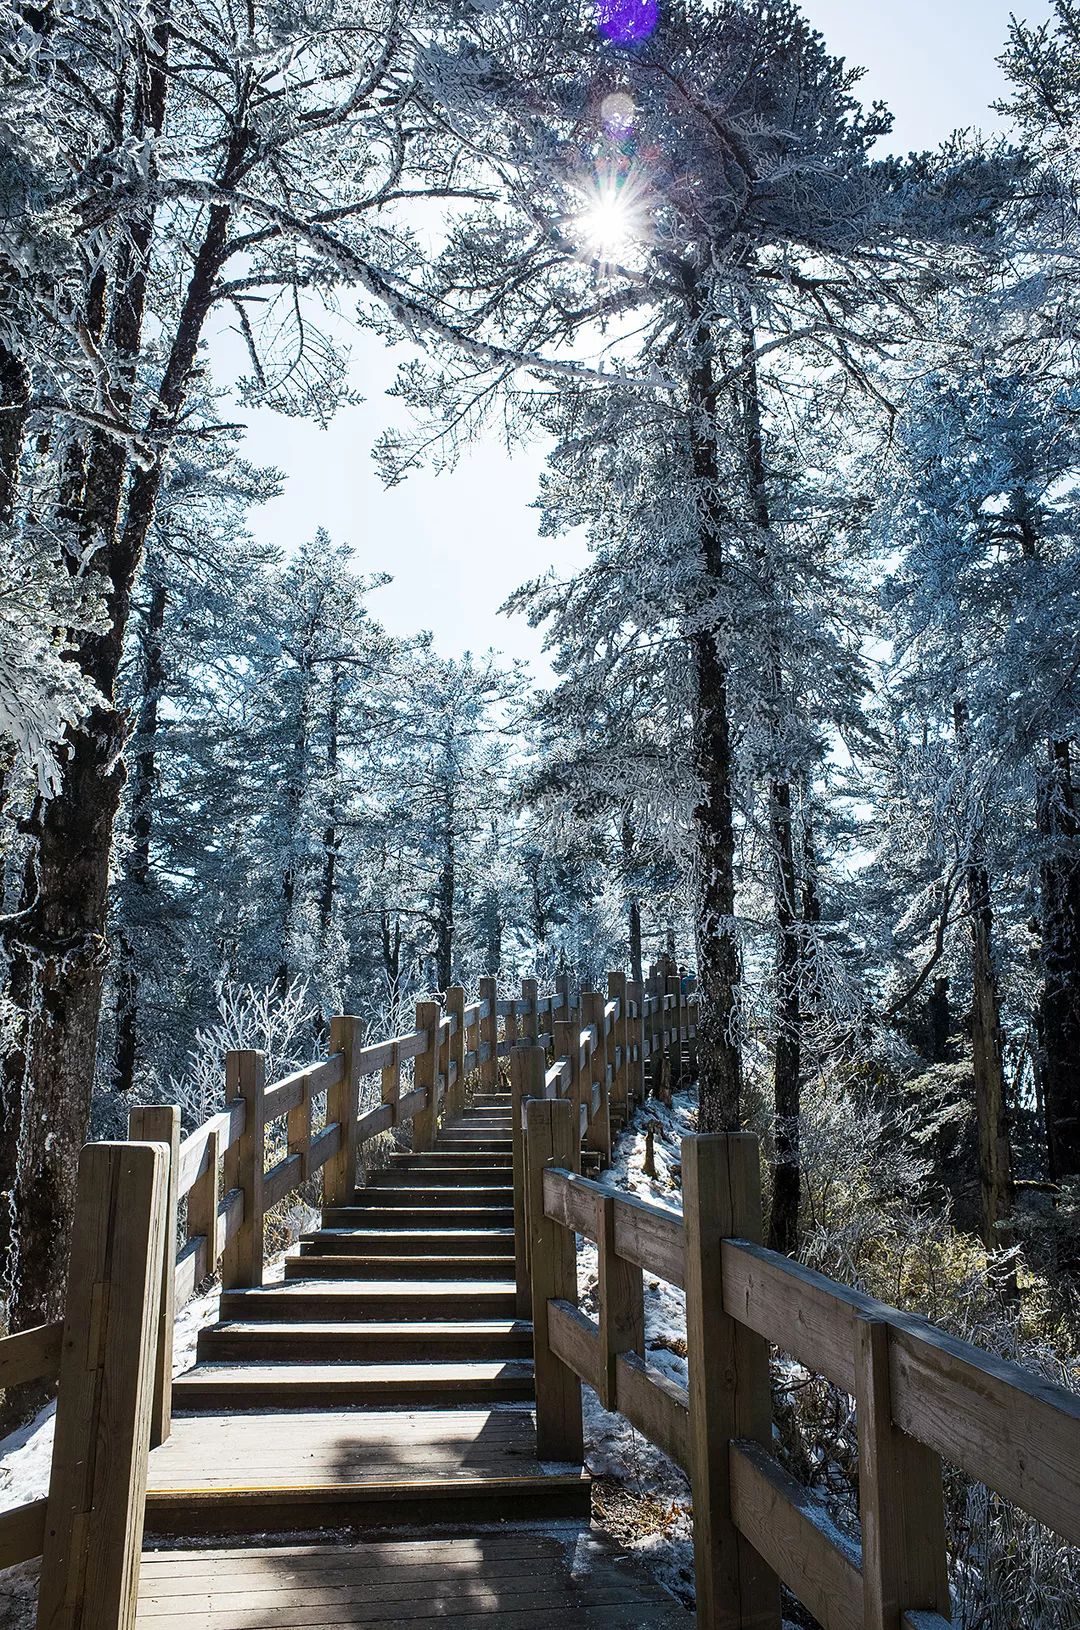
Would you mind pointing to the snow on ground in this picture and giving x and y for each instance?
(641, 1496)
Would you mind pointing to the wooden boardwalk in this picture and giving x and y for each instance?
(386, 1383)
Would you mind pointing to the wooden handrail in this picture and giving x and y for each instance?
(922, 1395)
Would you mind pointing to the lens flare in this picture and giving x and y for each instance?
(617, 115)
(624, 22)
(605, 223)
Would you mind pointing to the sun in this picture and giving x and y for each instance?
(605, 224)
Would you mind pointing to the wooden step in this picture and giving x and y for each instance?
(430, 1194)
(245, 1385)
(428, 1174)
(403, 1269)
(374, 1341)
(496, 1579)
(450, 1157)
(408, 1242)
(221, 1473)
(304, 1299)
(474, 1140)
(399, 1215)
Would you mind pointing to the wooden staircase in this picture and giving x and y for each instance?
(386, 1379)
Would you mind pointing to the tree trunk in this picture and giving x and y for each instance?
(719, 1025)
(58, 953)
(295, 790)
(330, 834)
(787, 1105)
(137, 865)
(447, 882)
(995, 1160)
(1060, 1008)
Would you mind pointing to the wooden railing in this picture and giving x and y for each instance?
(88, 1530)
(112, 1354)
(921, 1395)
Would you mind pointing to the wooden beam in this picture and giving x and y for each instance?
(455, 1007)
(242, 1260)
(526, 1081)
(551, 1139)
(204, 1200)
(97, 1493)
(729, 1383)
(489, 1033)
(792, 1533)
(343, 1106)
(428, 1015)
(901, 1502)
(621, 1301)
(160, 1123)
(31, 1355)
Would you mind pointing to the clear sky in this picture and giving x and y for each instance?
(457, 544)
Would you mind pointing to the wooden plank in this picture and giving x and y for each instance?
(575, 1339)
(281, 1180)
(652, 1236)
(551, 1139)
(191, 1269)
(31, 1355)
(94, 1518)
(620, 1035)
(203, 1203)
(567, 1052)
(194, 1158)
(455, 1007)
(428, 1015)
(343, 1106)
(794, 1535)
(526, 1081)
(1000, 1423)
(621, 1298)
(410, 1103)
(530, 1012)
(325, 1145)
(379, 1119)
(22, 1532)
(901, 1499)
(729, 1383)
(598, 1136)
(288, 1093)
(242, 1260)
(160, 1123)
(657, 1406)
(635, 995)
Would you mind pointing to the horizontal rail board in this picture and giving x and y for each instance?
(31, 1355)
(410, 1102)
(289, 1092)
(575, 1338)
(794, 1534)
(650, 1236)
(656, 1405)
(191, 1269)
(374, 1121)
(324, 1145)
(1002, 1424)
(22, 1533)
(195, 1150)
(282, 1179)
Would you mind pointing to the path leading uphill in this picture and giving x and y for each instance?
(383, 1388)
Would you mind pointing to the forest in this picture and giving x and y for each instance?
(812, 719)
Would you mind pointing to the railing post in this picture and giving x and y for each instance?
(550, 1141)
(298, 1128)
(675, 1073)
(527, 1069)
(729, 1381)
(620, 1039)
(562, 990)
(566, 1042)
(455, 1008)
(901, 1502)
(426, 1068)
(245, 1163)
(691, 1033)
(343, 1106)
(160, 1123)
(635, 993)
(390, 1082)
(204, 1202)
(598, 1135)
(489, 1032)
(97, 1493)
(530, 1020)
(620, 1301)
